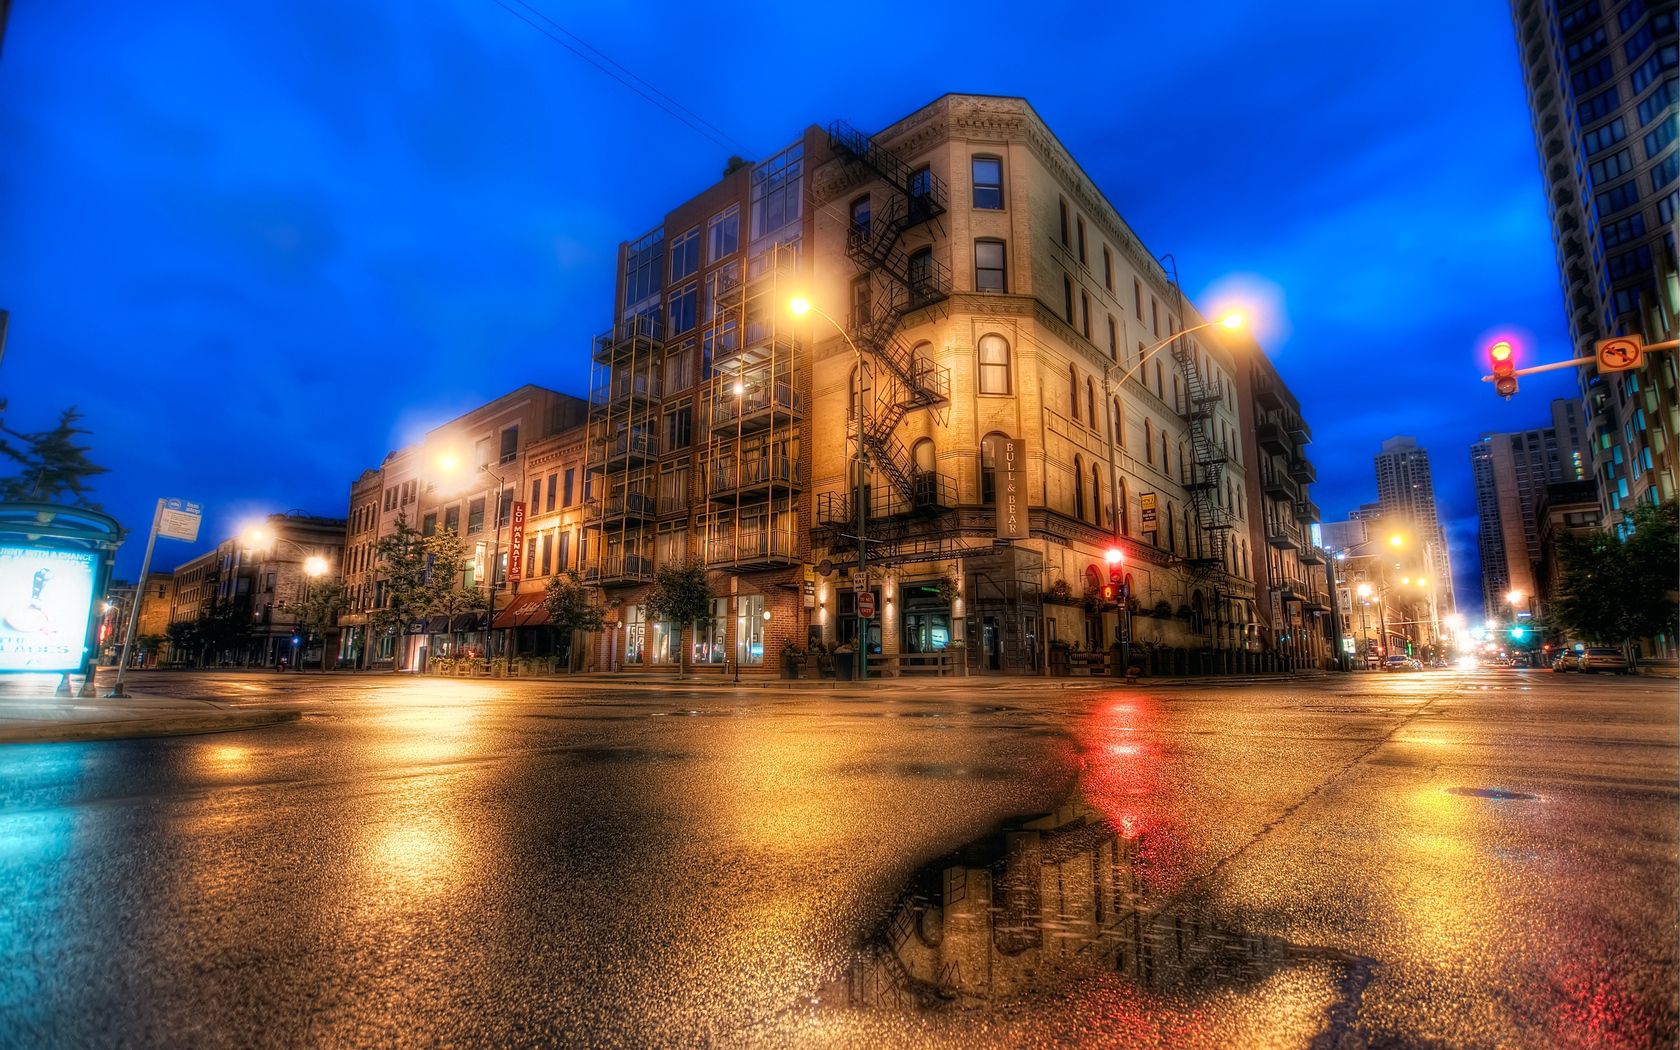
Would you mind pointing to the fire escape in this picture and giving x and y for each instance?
(901, 282)
(623, 445)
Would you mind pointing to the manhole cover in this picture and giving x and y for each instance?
(1497, 794)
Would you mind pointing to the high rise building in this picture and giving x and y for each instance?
(1511, 472)
(1602, 88)
(1406, 494)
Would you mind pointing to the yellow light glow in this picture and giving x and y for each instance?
(1397, 540)
(257, 536)
(1363, 590)
(1233, 320)
(1501, 350)
(449, 462)
(315, 565)
(1515, 597)
(800, 306)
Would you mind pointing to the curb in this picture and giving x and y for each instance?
(139, 728)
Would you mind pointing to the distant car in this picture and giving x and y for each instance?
(1603, 658)
(1401, 663)
(1566, 661)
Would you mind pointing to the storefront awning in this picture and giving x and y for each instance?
(471, 621)
(521, 606)
(437, 624)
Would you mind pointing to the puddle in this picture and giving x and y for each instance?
(1497, 794)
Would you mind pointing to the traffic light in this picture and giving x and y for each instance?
(1110, 593)
(1504, 368)
(1116, 559)
(1519, 633)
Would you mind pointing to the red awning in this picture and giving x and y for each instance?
(522, 605)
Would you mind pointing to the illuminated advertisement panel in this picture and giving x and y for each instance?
(45, 599)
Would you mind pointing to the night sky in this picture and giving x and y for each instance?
(261, 245)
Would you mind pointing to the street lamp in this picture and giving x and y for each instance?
(1232, 321)
(801, 306)
(259, 537)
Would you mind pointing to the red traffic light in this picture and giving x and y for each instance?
(1116, 559)
(1502, 355)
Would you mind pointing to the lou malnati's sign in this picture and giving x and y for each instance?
(45, 599)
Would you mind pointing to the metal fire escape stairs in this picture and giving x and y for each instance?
(907, 381)
(1207, 561)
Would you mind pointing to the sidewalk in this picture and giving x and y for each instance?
(38, 719)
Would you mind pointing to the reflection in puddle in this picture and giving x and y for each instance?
(1039, 904)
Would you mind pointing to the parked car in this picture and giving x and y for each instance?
(1568, 660)
(1597, 658)
(1401, 663)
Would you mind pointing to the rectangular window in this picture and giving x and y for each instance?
(553, 485)
(1079, 227)
(1586, 79)
(679, 427)
(1615, 165)
(1617, 198)
(1658, 101)
(1614, 233)
(475, 515)
(1600, 139)
(1067, 298)
(428, 524)
(1084, 313)
(504, 507)
(1598, 107)
(1137, 297)
(778, 191)
(685, 255)
(1113, 339)
(1664, 173)
(994, 365)
(684, 309)
(562, 552)
(1108, 269)
(988, 182)
(452, 519)
(510, 445)
(571, 478)
(1155, 316)
(1646, 74)
(642, 269)
(989, 273)
(536, 495)
(1659, 137)
(723, 233)
(547, 553)
(1062, 205)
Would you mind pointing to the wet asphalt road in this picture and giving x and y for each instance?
(1480, 858)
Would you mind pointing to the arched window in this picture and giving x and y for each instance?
(856, 393)
(994, 364)
(1119, 429)
(1149, 441)
(1078, 488)
(1091, 404)
(926, 482)
(1172, 527)
(1158, 387)
(1073, 392)
(1166, 468)
(1183, 462)
(1096, 493)
(1123, 507)
(921, 274)
(860, 217)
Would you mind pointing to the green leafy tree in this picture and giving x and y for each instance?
(447, 593)
(183, 639)
(570, 610)
(224, 629)
(318, 610)
(1617, 592)
(402, 561)
(53, 465)
(680, 595)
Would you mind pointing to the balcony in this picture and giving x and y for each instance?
(620, 570)
(1275, 484)
(752, 478)
(1299, 432)
(634, 506)
(928, 492)
(620, 451)
(628, 390)
(638, 337)
(1282, 536)
(1306, 511)
(758, 409)
(1272, 438)
(1311, 555)
(752, 549)
(1267, 396)
(1302, 470)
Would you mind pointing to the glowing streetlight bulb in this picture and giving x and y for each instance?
(1363, 590)
(800, 306)
(315, 565)
(1515, 597)
(448, 462)
(1233, 320)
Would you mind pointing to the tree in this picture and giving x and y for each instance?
(1617, 591)
(224, 628)
(52, 466)
(318, 610)
(680, 595)
(570, 610)
(402, 560)
(447, 593)
(183, 639)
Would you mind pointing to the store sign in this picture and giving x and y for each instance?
(1009, 461)
(1147, 503)
(46, 597)
(516, 543)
